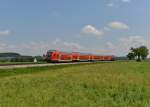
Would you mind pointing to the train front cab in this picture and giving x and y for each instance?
(52, 56)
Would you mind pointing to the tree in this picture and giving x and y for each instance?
(131, 56)
(140, 53)
(137, 53)
(144, 52)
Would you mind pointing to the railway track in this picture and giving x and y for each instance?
(27, 65)
(11, 66)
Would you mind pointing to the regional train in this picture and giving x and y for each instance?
(59, 56)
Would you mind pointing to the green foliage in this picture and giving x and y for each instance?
(39, 58)
(144, 52)
(14, 57)
(118, 84)
(131, 56)
(140, 52)
(22, 59)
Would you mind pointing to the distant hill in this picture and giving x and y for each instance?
(10, 54)
(14, 57)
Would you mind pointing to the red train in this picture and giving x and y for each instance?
(58, 56)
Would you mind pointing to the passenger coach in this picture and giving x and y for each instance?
(59, 56)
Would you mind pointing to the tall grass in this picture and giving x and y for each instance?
(118, 84)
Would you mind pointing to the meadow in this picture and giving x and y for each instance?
(116, 84)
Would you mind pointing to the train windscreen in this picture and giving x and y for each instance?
(49, 54)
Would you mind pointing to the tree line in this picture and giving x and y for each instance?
(138, 54)
(16, 57)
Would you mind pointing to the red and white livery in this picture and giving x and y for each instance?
(59, 56)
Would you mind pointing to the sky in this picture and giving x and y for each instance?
(31, 27)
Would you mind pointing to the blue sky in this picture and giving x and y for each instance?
(99, 26)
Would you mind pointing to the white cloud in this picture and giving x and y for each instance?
(106, 28)
(7, 47)
(91, 30)
(73, 46)
(116, 3)
(122, 46)
(125, 1)
(40, 48)
(63, 45)
(3, 46)
(66, 46)
(5, 33)
(133, 41)
(110, 45)
(110, 4)
(31, 48)
(118, 25)
(57, 40)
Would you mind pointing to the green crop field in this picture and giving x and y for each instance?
(116, 84)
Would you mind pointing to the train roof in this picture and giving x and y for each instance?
(82, 53)
(51, 50)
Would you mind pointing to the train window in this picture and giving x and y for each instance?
(57, 56)
(49, 54)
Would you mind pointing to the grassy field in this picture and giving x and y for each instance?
(117, 84)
